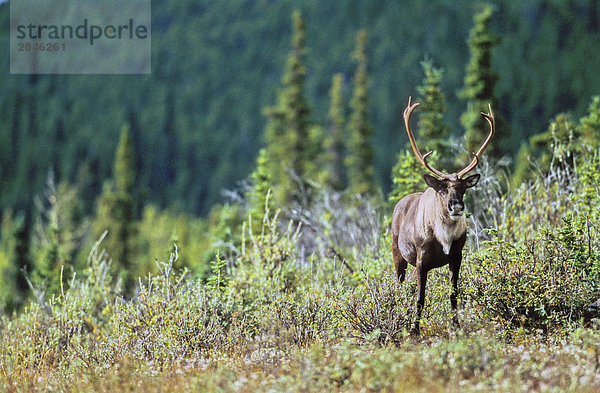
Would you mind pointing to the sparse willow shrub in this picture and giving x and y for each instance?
(61, 332)
(290, 297)
(292, 320)
(382, 309)
(546, 283)
(485, 201)
(268, 260)
(543, 202)
(342, 226)
(173, 319)
(518, 211)
(555, 192)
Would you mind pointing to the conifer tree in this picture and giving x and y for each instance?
(333, 144)
(51, 261)
(478, 91)
(360, 150)
(433, 131)
(257, 196)
(563, 140)
(50, 256)
(8, 267)
(522, 166)
(589, 125)
(290, 145)
(21, 258)
(15, 260)
(125, 164)
(558, 145)
(116, 212)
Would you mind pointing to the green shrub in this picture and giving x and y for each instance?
(383, 310)
(545, 283)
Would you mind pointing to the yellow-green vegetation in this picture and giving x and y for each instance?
(284, 313)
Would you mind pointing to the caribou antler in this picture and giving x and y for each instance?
(423, 158)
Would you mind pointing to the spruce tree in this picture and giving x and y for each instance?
(589, 125)
(21, 258)
(124, 173)
(8, 267)
(333, 144)
(559, 145)
(360, 151)
(257, 196)
(290, 144)
(522, 167)
(51, 262)
(50, 255)
(433, 131)
(116, 212)
(479, 84)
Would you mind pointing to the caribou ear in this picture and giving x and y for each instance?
(432, 182)
(472, 180)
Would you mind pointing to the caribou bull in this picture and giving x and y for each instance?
(429, 228)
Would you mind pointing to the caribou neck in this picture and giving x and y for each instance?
(436, 221)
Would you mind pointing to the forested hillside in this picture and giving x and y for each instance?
(197, 122)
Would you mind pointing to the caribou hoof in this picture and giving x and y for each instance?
(455, 323)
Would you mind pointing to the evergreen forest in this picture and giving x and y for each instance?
(224, 223)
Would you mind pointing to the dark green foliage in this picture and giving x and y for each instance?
(224, 235)
(361, 175)
(586, 198)
(333, 143)
(541, 268)
(479, 85)
(124, 173)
